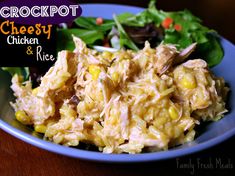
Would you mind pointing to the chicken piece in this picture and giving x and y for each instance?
(64, 68)
(122, 71)
(165, 56)
(37, 108)
(69, 123)
(197, 86)
(196, 63)
(106, 84)
(80, 46)
(218, 94)
(191, 81)
(83, 52)
(185, 53)
(41, 105)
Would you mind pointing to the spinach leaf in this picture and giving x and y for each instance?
(124, 38)
(209, 47)
(157, 16)
(85, 22)
(138, 20)
(211, 51)
(23, 71)
(191, 31)
(90, 23)
(65, 41)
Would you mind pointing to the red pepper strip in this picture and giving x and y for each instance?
(99, 21)
(178, 27)
(167, 22)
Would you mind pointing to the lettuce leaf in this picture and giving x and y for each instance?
(209, 47)
(24, 71)
(124, 38)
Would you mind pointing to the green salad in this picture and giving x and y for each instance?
(130, 31)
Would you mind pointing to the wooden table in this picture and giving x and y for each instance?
(20, 158)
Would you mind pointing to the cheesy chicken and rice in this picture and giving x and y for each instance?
(122, 102)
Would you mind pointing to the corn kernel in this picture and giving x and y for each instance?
(40, 128)
(115, 76)
(58, 83)
(94, 70)
(58, 138)
(50, 132)
(189, 81)
(22, 117)
(67, 111)
(35, 91)
(173, 113)
(107, 55)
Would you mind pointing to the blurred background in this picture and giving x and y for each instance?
(216, 14)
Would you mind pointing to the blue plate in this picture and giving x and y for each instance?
(212, 134)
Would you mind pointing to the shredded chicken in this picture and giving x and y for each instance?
(125, 103)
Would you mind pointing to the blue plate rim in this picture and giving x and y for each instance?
(112, 158)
